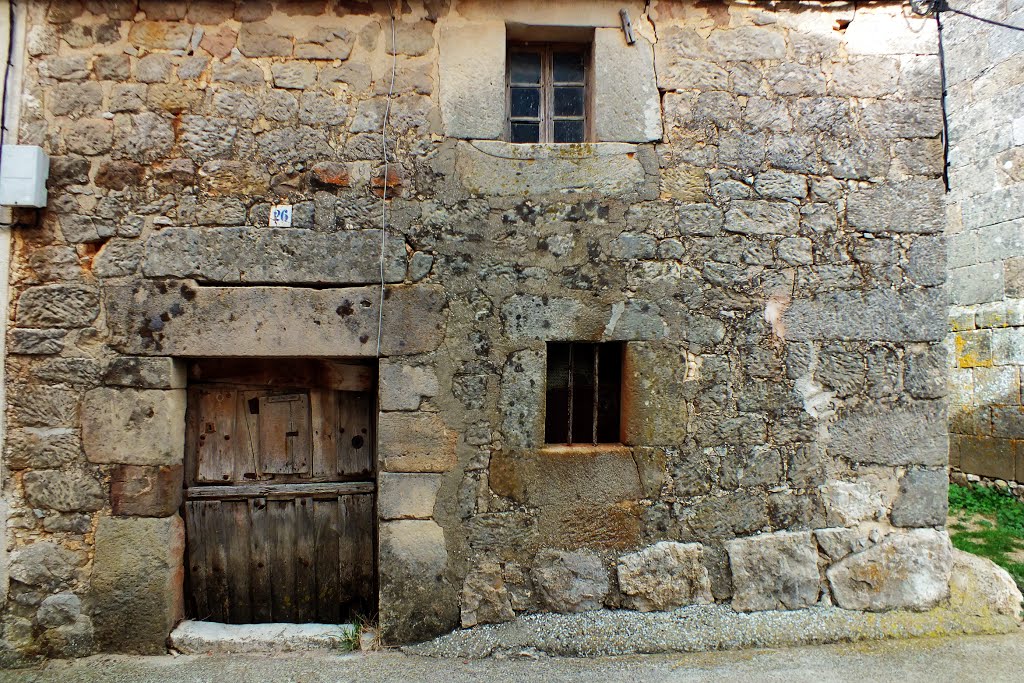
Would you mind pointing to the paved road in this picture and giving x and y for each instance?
(979, 658)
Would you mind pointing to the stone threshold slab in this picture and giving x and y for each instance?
(203, 637)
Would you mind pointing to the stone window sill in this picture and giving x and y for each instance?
(553, 150)
(554, 450)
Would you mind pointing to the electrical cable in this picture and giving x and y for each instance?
(923, 7)
(384, 184)
(7, 75)
(945, 112)
(941, 6)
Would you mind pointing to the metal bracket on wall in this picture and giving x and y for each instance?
(627, 26)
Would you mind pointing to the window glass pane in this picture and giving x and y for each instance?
(525, 102)
(525, 132)
(568, 67)
(609, 396)
(583, 393)
(568, 101)
(568, 131)
(524, 67)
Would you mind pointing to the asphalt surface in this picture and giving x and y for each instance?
(976, 658)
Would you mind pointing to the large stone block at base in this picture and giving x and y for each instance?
(904, 571)
(570, 581)
(137, 581)
(774, 571)
(415, 442)
(664, 576)
(134, 426)
(417, 601)
(981, 587)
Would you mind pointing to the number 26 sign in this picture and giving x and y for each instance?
(281, 216)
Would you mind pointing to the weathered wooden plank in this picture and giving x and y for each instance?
(268, 490)
(347, 552)
(235, 523)
(216, 558)
(284, 373)
(284, 433)
(363, 535)
(259, 554)
(249, 421)
(325, 526)
(323, 407)
(305, 567)
(197, 562)
(355, 435)
(216, 438)
(281, 515)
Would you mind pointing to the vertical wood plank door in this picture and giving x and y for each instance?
(280, 492)
(293, 560)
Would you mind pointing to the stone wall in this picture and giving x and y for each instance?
(774, 263)
(985, 104)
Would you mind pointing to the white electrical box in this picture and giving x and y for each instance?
(23, 173)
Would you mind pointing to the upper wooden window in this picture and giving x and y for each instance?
(547, 92)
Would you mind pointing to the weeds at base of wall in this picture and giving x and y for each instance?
(989, 522)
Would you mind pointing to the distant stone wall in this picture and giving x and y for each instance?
(769, 253)
(985, 102)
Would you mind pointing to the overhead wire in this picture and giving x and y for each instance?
(384, 183)
(7, 75)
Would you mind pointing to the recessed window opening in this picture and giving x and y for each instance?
(584, 393)
(547, 92)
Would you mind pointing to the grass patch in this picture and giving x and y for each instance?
(989, 523)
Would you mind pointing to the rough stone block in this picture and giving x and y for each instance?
(45, 564)
(403, 387)
(520, 399)
(1008, 346)
(655, 390)
(906, 570)
(996, 385)
(913, 206)
(42, 447)
(485, 598)
(1008, 422)
(61, 306)
(762, 218)
(874, 315)
(774, 571)
(848, 503)
(914, 434)
(570, 581)
(136, 587)
(259, 39)
(145, 373)
(407, 496)
(146, 491)
(415, 442)
(747, 43)
(38, 406)
(472, 86)
(160, 35)
(975, 577)
(274, 256)
(627, 105)
(35, 342)
(417, 602)
(664, 576)
(925, 374)
(922, 499)
(179, 319)
(58, 610)
(65, 491)
(134, 426)
(988, 457)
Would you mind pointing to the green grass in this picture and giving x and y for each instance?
(998, 526)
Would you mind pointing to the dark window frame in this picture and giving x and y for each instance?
(547, 118)
(584, 393)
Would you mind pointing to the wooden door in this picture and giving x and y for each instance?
(280, 492)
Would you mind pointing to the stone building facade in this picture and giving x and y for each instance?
(758, 222)
(985, 105)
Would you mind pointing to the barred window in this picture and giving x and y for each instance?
(584, 387)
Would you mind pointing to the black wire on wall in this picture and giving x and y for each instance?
(7, 75)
